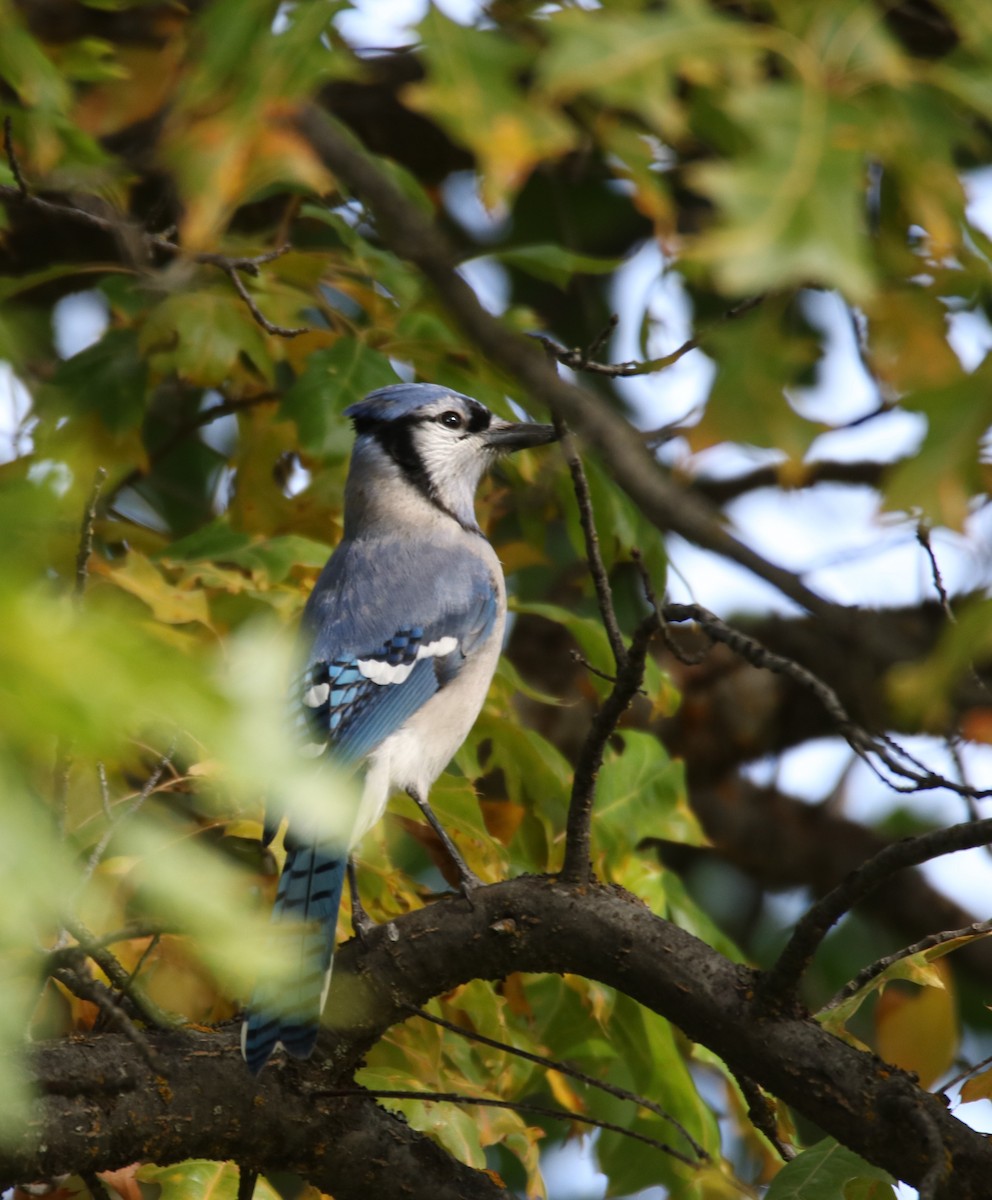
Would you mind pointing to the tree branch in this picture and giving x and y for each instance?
(97, 1113)
(779, 983)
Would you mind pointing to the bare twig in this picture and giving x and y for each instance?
(8, 149)
(869, 747)
(597, 568)
(121, 979)
(923, 537)
(231, 265)
(88, 989)
(541, 1110)
(151, 783)
(239, 286)
(779, 983)
(873, 970)
(581, 360)
(578, 657)
(762, 1116)
(577, 865)
(563, 1068)
(86, 535)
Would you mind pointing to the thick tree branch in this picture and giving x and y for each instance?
(101, 1108)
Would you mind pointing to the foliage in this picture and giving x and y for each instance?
(772, 150)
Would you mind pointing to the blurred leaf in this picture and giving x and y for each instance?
(978, 1087)
(826, 1172)
(202, 336)
(169, 604)
(332, 380)
(473, 89)
(203, 1179)
(637, 61)
(555, 264)
(940, 478)
(790, 204)
(109, 378)
(918, 1029)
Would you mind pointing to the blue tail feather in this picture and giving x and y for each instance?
(306, 914)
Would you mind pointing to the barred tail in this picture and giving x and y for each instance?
(306, 910)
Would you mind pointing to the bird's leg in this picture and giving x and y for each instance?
(468, 877)
(361, 922)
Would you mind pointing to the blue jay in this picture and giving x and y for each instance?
(403, 632)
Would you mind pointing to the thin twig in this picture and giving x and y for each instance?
(577, 865)
(121, 979)
(594, 557)
(541, 1110)
(86, 535)
(597, 568)
(873, 970)
(923, 537)
(15, 166)
(779, 983)
(581, 360)
(280, 330)
(151, 783)
(231, 265)
(563, 1068)
(987, 1061)
(893, 757)
(578, 657)
(762, 1116)
(96, 993)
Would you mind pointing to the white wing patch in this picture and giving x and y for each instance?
(384, 672)
(317, 695)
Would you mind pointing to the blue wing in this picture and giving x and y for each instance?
(380, 647)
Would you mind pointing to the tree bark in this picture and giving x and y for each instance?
(102, 1109)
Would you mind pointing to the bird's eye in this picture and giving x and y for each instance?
(451, 420)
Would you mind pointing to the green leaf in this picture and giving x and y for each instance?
(587, 631)
(331, 380)
(791, 202)
(641, 794)
(638, 61)
(203, 1179)
(109, 378)
(554, 264)
(826, 1172)
(653, 1064)
(945, 473)
(274, 557)
(473, 90)
(202, 335)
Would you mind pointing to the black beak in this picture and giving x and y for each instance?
(506, 436)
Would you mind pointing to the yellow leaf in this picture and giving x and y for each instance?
(169, 604)
(978, 1087)
(918, 1030)
(564, 1093)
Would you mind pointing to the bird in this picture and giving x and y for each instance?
(400, 637)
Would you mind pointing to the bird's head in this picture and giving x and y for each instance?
(437, 441)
